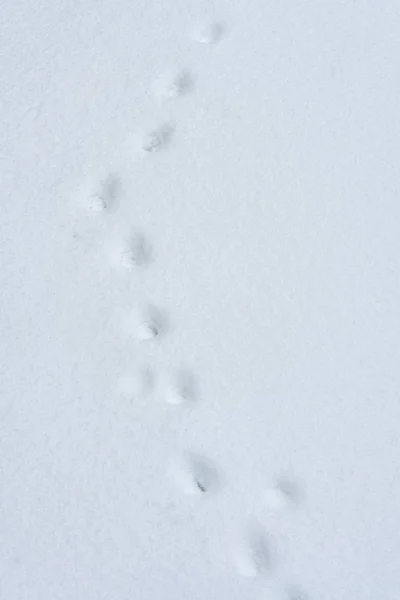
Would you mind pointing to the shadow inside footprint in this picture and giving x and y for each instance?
(255, 557)
(151, 323)
(290, 489)
(138, 251)
(295, 593)
(196, 475)
(204, 473)
(158, 139)
(182, 389)
(283, 494)
(106, 193)
(211, 33)
(179, 85)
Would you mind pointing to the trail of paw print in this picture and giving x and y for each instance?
(100, 195)
(150, 323)
(194, 475)
(256, 556)
(253, 554)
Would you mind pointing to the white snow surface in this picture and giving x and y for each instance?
(268, 193)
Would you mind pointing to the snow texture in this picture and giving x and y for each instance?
(212, 184)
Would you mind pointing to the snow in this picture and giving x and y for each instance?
(181, 388)
(241, 160)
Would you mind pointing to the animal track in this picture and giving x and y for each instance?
(147, 330)
(178, 85)
(195, 475)
(131, 251)
(101, 195)
(210, 33)
(283, 494)
(254, 557)
(146, 323)
(158, 138)
(294, 593)
(137, 250)
(181, 389)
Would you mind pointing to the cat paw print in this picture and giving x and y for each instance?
(283, 494)
(210, 33)
(254, 554)
(195, 475)
(157, 139)
(181, 388)
(129, 252)
(146, 323)
(174, 85)
(100, 194)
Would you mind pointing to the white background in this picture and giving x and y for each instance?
(273, 221)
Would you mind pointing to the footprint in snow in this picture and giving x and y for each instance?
(254, 554)
(181, 389)
(130, 251)
(195, 475)
(157, 139)
(210, 33)
(294, 593)
(146, 324)
(282, 495)
(169, 87)
(100, 194)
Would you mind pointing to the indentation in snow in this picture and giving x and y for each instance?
(195, 475)
(254, 557)
(147, 331)
(175, 85)
(146, 323)
(283, 494)
(130, 251)
(158, 138)
(294, 593)
(210, 33)
(100, 195)
(181, 388)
